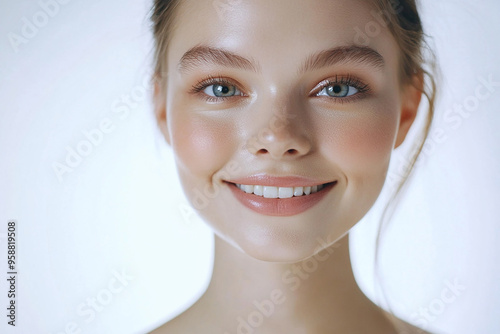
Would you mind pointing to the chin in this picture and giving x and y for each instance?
(285, 245)
(281, 239)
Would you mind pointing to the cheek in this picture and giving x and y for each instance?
(361, 142)
(202, 145)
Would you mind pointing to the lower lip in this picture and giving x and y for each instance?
(280, 206)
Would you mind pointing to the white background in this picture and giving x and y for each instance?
(121, 209)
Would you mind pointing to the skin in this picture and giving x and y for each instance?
(280, 126)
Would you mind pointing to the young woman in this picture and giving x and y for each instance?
(283, 116)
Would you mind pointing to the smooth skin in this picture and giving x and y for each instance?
(282, 116)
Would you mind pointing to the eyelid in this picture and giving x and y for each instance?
(237, 91)
(348, 80)
(200, 86)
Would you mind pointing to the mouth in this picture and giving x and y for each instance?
(285, 200)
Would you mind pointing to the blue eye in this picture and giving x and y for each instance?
(221, 90)
(338, 90)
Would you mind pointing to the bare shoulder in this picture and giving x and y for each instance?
(194, 320)
(198, 320)
(173, 326)
(181, 324)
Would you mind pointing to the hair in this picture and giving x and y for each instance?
(416, 59)
(403, 21)
(162, 18)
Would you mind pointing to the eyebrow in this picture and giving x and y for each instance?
(344, 54)
(206, 55)
(201, 54)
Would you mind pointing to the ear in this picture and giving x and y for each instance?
(411, 97)
(160, 107)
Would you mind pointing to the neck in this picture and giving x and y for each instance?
(318, 291)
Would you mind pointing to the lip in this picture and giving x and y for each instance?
(279, 206)
(278, 181)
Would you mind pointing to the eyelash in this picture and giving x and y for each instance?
(219, 80)
(348, 80)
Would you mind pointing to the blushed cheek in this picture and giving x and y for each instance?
(202, 145)
(363, 143)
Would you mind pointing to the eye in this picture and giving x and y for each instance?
(342, 88)
(338, 90)
(221, 90)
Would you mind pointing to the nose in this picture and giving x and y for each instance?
(285, 135)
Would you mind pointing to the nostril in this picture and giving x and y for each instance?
(290, 151)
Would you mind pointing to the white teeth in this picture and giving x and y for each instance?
(258, 190)
(285, 192)
(279, 192)
(247, 188)
(270, 192)
(298, 191)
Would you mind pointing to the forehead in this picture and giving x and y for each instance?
(280, 33)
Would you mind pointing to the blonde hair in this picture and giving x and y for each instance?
(406, 26)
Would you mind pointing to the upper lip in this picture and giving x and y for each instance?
(278, 181)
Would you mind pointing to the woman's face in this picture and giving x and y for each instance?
(281, 96)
